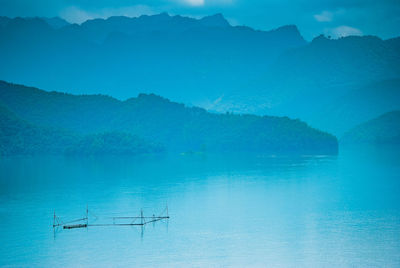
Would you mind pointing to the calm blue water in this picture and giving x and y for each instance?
(226, 210)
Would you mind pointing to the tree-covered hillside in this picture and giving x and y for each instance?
(160, 121)
(20, 137)
(383, 129)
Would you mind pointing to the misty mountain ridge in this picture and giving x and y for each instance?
(206, 62)
(100, 28)
(324, 74)
(174, 56)
(55, 22)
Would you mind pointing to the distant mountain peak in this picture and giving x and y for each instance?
(216, 20)
(163, 14)
(319, 39)
(290, 31)
(289, 28)
(55, 22)
(151, 97)
(157, 17)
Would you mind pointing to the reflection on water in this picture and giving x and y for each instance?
(226, 210)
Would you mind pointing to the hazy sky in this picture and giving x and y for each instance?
(313, 17)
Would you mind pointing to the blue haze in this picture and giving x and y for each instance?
(218, 87)
(332, 84)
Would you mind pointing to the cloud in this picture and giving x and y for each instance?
(75, 14)
(342, 31)
(203, 3)
(194, 2)
(330, 15)
(324, 16)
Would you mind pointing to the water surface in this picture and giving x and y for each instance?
(226, 210)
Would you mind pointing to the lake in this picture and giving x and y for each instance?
(231, 210)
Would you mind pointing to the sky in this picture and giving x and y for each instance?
(313, 17)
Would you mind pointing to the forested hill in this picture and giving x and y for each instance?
(157, 120)
(383, 129)
(19, 137)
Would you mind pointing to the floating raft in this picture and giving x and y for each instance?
(73, 226)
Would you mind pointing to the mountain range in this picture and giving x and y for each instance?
(333, 84)
(181, 58)
(35, 121)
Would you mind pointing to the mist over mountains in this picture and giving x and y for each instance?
(331, 84)
(180, 58)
